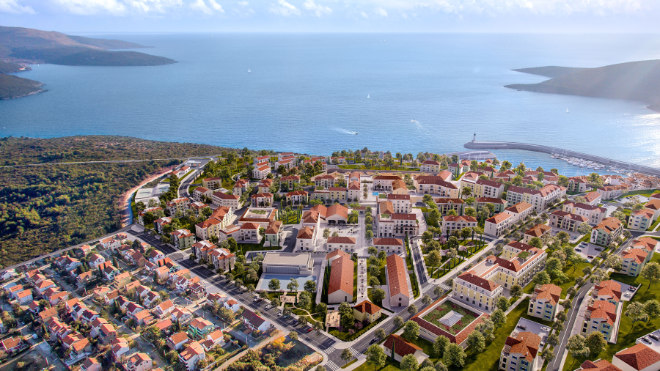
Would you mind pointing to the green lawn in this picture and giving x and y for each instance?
(645, 193)
(628, 334)
(572, 272)
(436, 314)
(489, 358)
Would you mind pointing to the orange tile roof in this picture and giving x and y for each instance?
(341, 275)
(604, 310)
(401, 347)
(608, 225)
(548, 292)
(306, 233)
(396, 275)
(600, 365)
(609, 288)
(367, 307)
(639, 356)
(525, 343)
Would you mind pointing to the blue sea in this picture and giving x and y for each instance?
(309, 92)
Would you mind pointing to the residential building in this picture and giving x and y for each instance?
(344, 243)
(593, 213)
(567, 221)
(262, 199)
(541, 231)
(633, 260)
(540, 198)
(611, 192)
(397, 347)
(606, 232)
(295, 198)
(599, 365)
(543, 303)
(390, 245)
(577, 184)
(261, 171)
(400, 203)
(593, 198)
(290, 181)
(385, 182)
(391, 224)
(498, 204)
(455, 223)
(498, 224)
(249, 233)
(367, 311)
(354, 192)
(212, 183)
(436, 185)
(200, 327)
(178, 206)
(340, 286)
(138, 362)
(397, 281)
(447, 204)
(600, 316)
(641, 220)
(306, 239)
(254, 321)
(223, 199)
(193, 353)
(638, 357)
(273, 233)
(430, 166)
(520, 352)
(182, 239)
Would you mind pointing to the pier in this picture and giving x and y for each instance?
(493, 145)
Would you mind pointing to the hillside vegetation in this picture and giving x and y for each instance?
(635, 81)
(45, 208)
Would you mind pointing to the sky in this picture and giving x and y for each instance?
(173, 16)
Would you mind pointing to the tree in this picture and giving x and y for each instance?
(426, 299)
(226, 315)
(553, 339)
(596, 343)
(547, 353)
(476, 342)
(378, 295)
(635, 311)
(346, 355)
(380, 333)
(440, 345)
(398, 321)
(310, 286)
(454, 356)
(412, 309)
(651, 272)
(542, 278)
(502, 303)
(516, 290)
(577, 346)
(652, 308)
(376, 355)
(498, 318)
(274, 284)
(438, 290)
(293, 335)
(293, 285)
(584, 228)
(408, 363)
(433, 258)
(410, 331)
(439, 366)
(305, 300)
(613, 261)
(536, 242)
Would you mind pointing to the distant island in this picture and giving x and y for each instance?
(20, 47)
(635, 81)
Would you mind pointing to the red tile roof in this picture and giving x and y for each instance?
(342, 239)
(341, 275)
(396, 275)
(401, 347)
(478, 281)
(525, 343)
(548, 292)
(639, 356)
(367, 307)
(600, 365)
(388, 241)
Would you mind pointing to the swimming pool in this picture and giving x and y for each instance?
(284, 281)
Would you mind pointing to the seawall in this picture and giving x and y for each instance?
(563, 152)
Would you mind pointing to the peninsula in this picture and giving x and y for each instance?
(635, 81)
(22, 46)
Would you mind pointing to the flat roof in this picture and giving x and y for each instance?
(287, 258)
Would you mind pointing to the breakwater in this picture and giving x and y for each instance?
(493, 145)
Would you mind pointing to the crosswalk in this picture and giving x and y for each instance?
(332, 366)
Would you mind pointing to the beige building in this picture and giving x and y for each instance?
(543, 303)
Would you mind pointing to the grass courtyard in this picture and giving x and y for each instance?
(436, 315)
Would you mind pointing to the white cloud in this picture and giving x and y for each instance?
(284, 8)
(14, 6)
(318, 9)
(153, 6)
(207, 7)
(85, 7)
(381, 12)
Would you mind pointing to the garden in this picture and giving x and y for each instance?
(450, 317)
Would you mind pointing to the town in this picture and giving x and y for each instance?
(360, 260)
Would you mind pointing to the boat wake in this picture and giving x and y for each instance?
(345, 131)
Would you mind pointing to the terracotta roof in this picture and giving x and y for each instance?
(592, 196)
(608, 225)
(367, 307)
(567, 215)
(491, 183)
(459, 218)
(498, 218)
(400, 216)
(446, 200)
(342, 239)
(321, 210)
(600, 365)
(396, 275)
(609, 288)
(538, 230)
(341, 275)
(490, 200)
(225, 196)
(387, 177)
(648, 213)
(337, 253)
(178, 337)
(478, 281)
(436, 180)
(306, 233)
(430, 162)
(653, 204)
(647, 243)
(296, 193)
(254, 318)
(274, 227)
(638, 356)
(525, 343)
(388, 241)
(637, 255)
(337, 209)
(392, 196)
(604, 310)
(548, 292)
(520, 245)
(401, 347)
(519, 207)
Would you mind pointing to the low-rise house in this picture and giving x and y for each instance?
(194, 352)
(606, 232)
(306, 239)
(119, 348)
(11, 345)
(24, 297)
(199, 327)
(397, 348)
(177, 340)
(160, 223)
(254, 321)
(232, 305)
(212, 183)
(201, 193)
(367, 311)
(138, 362)
(90, 364)
(163, 309)
(182, 315)
(543, 303)
(178, 206)
(272, 233)
(223, 259)
(213, 339)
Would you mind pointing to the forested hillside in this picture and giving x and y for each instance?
(44, 208)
